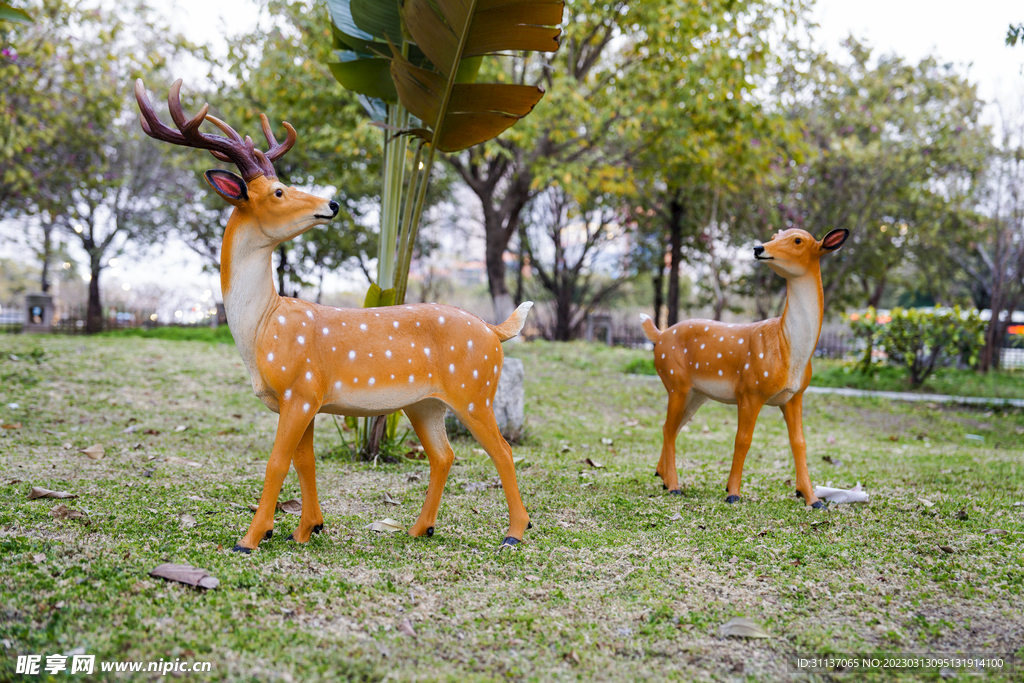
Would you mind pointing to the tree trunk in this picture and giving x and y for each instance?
(495, 252)
(676, 244)
(44, 278)
(282, 269)
(563, 314)
(658, 280)
(94, 314)
(519, 269)
(876, 295)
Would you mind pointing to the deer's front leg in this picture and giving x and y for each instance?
(749, 407)
(793, 411)
(312, 519)
(291, 425)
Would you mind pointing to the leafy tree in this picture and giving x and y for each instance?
(895, 150)
(69, 157)
(922, 341)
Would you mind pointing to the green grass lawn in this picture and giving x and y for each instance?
(616, 580)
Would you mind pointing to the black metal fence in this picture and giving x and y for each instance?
(71, 320)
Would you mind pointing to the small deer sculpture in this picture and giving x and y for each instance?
(749, 365)
(306, 359)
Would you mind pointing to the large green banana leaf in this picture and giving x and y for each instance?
(447, 31)
(13, 14)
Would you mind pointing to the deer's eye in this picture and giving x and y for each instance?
(796, 241)
(279, 193)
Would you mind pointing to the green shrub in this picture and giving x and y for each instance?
(640, 366)
(922, 341)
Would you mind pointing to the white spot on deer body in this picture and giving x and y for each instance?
(395, 324)
(377, 314)
(705, 329)
(352, 355)
(417, 324)
(471, 407)
(392, 376)
(741, 340)
(387, 354)
(469, 344)
(355, 380)
(719, 373)
(453, 348)
(430, 374)
(412, 345)
(411, 378)
(303, 324)
(426, 351)
(370, 355)
(334, 348)
(305, 407)
(721, 339)
(309, 313)
(326, 331)
(371, 381)
(698, 366)
(463, 385)
(275, 336)
(441, 319)
(702, 346)
(475, 374)
(746, 366)
(451, 368)
(663, 356)
(719, 355)
(495, 369)
(765, 373)
(485, 356)
(487, 402)
(287, 393)
(280, 319)
(337, 385)
(760, 355)
(301, 339)
(283, 368)
(307, 360)
(363, 327)
(309, 375)
(270, 356)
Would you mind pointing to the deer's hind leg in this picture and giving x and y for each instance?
(683, 402)
(312, 520)
(484, 428)
(427, 419)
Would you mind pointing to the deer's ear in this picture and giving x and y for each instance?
(834, 239)
(229, 186)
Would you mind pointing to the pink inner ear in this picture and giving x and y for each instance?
(834, 240)
(227, 186)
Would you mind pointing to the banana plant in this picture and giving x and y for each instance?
(418, 59)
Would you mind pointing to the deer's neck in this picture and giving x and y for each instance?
(247, 281)
(801, 321)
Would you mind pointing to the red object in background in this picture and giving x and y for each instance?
(1015, 329)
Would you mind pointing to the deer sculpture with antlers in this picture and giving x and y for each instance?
(749, 365)
(306, 359)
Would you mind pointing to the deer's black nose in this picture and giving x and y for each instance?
(758, 250)
(334, 207)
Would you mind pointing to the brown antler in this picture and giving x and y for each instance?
(250, 161)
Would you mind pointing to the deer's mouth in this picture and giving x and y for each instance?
(758, 257)
(323, 218)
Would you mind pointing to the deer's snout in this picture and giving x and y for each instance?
(758, 250)
(334, 207)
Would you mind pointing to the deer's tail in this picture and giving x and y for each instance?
(652, 332)
(514, 325)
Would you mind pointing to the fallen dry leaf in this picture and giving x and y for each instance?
(180, 428)
(571, 656)
(388, 499)
(175, 460)
(62, 511)
(387, 524)
(531, 577)
(606, 441)
(186, 574)
(516, 461)
(254, 507)
(67, 447)
(830, 440)
(927, 503)
(945, 549)
(479, 451)
(14, 425)
(593, 463)
(38, 557)
(675, 518)
(292, 507)
(186, 521)
(996, 532)
(741, 627)
(95, 451)
(406, 628)
(38, 492)
(632, 422)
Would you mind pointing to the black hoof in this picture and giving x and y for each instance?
(799, 494)
(817, 505)
(509, 542)
(732, 499)
(241, 549)
(529, 525)
(269, 535)
(430, 531)
(318, 528)
(675, 492)
(290, 539)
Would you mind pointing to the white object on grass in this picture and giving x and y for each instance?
(854, 495)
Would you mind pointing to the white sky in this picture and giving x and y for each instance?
(970, 35)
